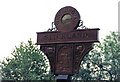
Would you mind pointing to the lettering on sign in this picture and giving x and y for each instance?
(68, 37)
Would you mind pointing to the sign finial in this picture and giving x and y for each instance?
(67, 19)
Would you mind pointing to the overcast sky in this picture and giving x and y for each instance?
(21, 19)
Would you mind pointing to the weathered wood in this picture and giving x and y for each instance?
(82, 35)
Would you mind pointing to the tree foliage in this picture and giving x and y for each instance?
(103, 62)
(27, 63)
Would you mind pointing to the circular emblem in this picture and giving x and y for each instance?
(67, 19)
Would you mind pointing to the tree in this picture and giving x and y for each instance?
(111, 51)
(27, 63)
(103, 62)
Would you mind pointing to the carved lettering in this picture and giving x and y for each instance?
(65, 36)
(68, 37)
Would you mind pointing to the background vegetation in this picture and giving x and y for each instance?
(103, 62)
(27, 63)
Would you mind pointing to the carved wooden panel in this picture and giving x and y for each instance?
(49, 51)
(64, 60)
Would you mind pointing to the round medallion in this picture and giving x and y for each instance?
(67, 19)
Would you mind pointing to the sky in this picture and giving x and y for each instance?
(21, 19)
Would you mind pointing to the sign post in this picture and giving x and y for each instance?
(66, 47)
